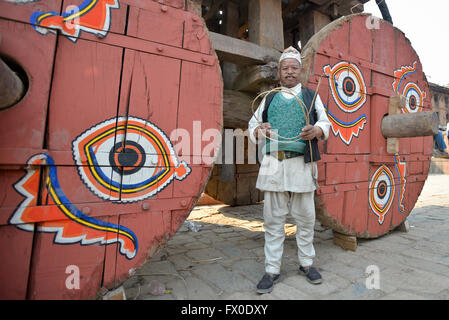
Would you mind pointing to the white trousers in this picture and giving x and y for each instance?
(276, 207)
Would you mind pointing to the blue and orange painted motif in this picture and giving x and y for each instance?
(413, 93)
(401, 168)
(60, 216)
(346, 130)
(93, 16)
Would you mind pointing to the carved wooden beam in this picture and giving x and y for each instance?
(242, 52)
(251, 78)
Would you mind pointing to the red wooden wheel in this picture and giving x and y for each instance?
(365, 191)
(104, 184)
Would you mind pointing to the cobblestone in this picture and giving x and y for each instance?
(225, 259)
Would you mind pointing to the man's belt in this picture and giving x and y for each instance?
(282, 155)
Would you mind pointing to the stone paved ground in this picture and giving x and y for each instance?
(224, 260)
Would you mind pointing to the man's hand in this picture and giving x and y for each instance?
(309, 132)
(263, 130)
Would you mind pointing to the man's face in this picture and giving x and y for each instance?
(289, 72)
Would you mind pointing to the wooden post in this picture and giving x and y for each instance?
(410, 125)
(11, 87)
(310, 23)
(265, 23)
(395, 104)
(231, 26)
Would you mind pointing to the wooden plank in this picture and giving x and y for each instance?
(242, 52)
(15, 254)
(94, 71)
(50, 264)
(345, 241)
(155, 25)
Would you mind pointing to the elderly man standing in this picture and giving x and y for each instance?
(288, 173)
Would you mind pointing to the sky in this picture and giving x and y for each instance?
(426, 25)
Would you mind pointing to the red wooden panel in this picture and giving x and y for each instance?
(356, 223)
(195, 34)
(321, 172)
(333, 173)
(49, 265)
(378, 142)
(356, 172)
(22, 126)
(384, 47)
(428, 145)
(319, 62)
(360, 39)
(177, 218)
(405, 53)
(206, 102)
(404, 146)
(86, 82)
(150, 229)
(334, 205)
(193, 184)
(338, 41)
(15, 254)
(155, 24)
(417, 145)
(110, 259)
(23, 11)
(155, 89)
(415, 167)
(180, 4)
(382, 83)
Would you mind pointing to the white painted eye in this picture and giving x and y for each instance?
(414, 97)
(381, 192)
(126, 160)
(347, 86)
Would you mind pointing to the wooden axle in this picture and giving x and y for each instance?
(410, 125)
(11, 87)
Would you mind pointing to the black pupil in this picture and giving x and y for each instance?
(382, 189)
(128, 158)
(413, 102)
(349, 86)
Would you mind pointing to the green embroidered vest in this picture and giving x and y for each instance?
(287, 118)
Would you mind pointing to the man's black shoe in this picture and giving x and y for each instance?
(266, 284)
(311, 274)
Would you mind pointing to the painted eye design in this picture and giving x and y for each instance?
(347, 86)
(414, 95)
(381, 192)
(127, 160)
